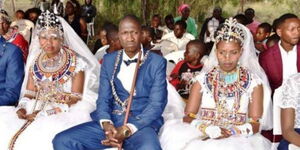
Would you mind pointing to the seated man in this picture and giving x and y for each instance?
(11, 73)
(179, 35)
(149, 99)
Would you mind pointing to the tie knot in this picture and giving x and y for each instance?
(129, 61)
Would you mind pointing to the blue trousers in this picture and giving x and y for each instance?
(88, 136)
(284, 144)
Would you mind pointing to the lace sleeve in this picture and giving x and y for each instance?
(290, 94)
(255, 81)
(200, 78)
(81, 64)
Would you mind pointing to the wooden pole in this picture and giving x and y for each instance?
(131, 92)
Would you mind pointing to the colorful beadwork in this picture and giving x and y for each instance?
(61, 73)
(223, 92)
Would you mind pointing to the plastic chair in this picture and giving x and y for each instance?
(175, 56)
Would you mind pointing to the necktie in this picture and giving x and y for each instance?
(128, 62)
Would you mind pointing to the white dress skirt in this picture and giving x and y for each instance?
(39, 134)
(177, 135)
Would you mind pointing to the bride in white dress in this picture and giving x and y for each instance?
(59, 90)
(229, 102)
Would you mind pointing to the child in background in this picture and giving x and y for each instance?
(262, 33)
(185, 70)
(102, 40)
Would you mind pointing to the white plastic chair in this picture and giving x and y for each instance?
(175, 56)
(166, 47)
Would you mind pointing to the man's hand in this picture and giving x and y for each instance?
(21, 113)
(123, 132)
(110, 133)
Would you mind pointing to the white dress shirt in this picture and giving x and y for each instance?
(289, 61)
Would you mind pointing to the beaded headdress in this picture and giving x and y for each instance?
(4, 15)
(48, 20)
(230, 31)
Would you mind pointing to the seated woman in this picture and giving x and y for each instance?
(60, 90)
(290, 113)
(225, 106)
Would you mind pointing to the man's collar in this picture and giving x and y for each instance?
(284, 50)
(126, 57)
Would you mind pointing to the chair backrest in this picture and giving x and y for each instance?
(276, 111)
(175, 56)
(166, 47)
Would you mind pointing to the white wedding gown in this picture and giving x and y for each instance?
(39, 134)
(177, 135)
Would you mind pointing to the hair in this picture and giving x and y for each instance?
(274, 38)
(241, 18)
(132, 18)
(55, 1)
(169, 17)
(76, 6)
(284, 17)
(198, 43)
(250, 11)
(275, 24)
(20, 11)
(218, 8)
(111, 32)
(149, 30)
(181, 23)
(32, 10)
(266, 26)
(156, 15)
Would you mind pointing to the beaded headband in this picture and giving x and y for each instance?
(230, 31)
(4, 15)
(48, 20)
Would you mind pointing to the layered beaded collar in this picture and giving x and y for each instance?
(117, 99)
(61, 73)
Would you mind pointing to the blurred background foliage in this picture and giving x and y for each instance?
(113, 10)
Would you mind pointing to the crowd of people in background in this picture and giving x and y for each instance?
(213, 86)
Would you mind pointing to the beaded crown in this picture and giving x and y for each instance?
(230, 31)
(48, 20)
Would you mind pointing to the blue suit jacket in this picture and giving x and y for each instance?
(151, 93)
(11, 72)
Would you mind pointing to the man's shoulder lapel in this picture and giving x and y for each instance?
(277, 59)
(298, 57)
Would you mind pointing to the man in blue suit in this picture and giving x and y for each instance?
(11, 73)
(150, 98)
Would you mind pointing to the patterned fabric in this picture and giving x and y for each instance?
(291, 96)
(226, 104)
